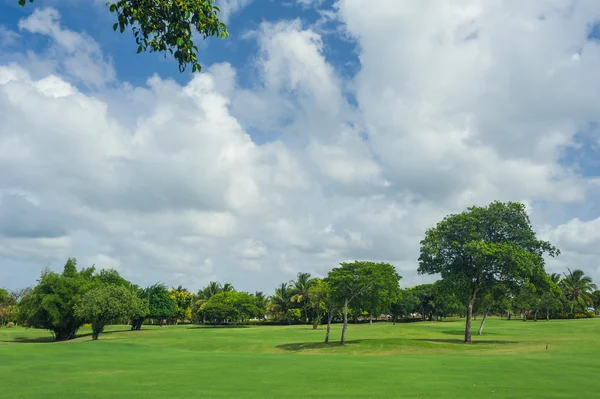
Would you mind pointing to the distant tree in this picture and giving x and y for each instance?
(299, 292)
(7, 307)
(262, 302)
(379, 301)
(578, 288)
(227, 287)
(481, 247)
(550, 297)
(358, 281)
(233, 305)
(167, 25)
(322, 302)
(51, 304)
(105, 303)
(211, 289)
(184, 300)
(159, 304)
(282, 301)
(406, 304)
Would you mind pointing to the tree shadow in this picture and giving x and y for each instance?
(462, 341)
(211, 327)
(303, 346)
(29, 340)
(50, 339)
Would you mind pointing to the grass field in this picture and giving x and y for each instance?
(417, 360)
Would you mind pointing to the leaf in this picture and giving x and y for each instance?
(115, 26)
(139, 50)
(180, 41)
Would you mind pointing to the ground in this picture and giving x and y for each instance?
(416, 360)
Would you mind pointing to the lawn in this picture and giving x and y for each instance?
(416, 360)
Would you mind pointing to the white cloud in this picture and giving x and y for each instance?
(78, 55)
(230, 7)
(207, 180)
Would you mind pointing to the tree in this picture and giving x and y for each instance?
(405, 305)
(550, 299)
(230, 305)
(105, 303)
(379, 300)
(483, 246)
(299, 291)
(167, 26)
(7, 307)
(578, 288)
(359, 281)
(51, 304)
(184, 301)
(322, 302)
(211, 289)
(158, 303)
(282, 301)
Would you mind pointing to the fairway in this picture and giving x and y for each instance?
(416, 360)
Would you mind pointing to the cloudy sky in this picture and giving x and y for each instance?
(319, 132)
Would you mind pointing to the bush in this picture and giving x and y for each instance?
(10, 324)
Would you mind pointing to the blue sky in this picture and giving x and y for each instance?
(319, 132)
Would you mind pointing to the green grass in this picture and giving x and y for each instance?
(417, 360)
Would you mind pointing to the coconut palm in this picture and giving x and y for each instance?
(299, 289)
(211, 289)
(282, 298)
(578, 288)
(227, 287)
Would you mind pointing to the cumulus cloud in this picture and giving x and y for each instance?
(210, 180)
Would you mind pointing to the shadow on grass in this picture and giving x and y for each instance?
(462, 341)
(50, 339)
(391, 342)
(211, 327)
(302, 346)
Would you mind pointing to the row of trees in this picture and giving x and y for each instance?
(489, 259)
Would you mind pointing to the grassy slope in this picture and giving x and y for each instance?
(419, 360)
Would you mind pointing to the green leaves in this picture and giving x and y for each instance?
(168, 26)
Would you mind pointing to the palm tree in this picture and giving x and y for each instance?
(578, 288)
(211, 289)
(300, 291)
(282, 298)
(261, 301)
(227, 287)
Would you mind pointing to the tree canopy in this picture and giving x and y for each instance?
(107, 302)
(167, 26)
(482, 246)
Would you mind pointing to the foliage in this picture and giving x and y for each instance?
(484, 246)
(184, 301)
(232, 305)
(105, 303)
(168, 26)
(51, 303)
(158, 304)
(578, 289)
(359, 282)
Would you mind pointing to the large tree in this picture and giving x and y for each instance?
(232, 305)
(484, 246)
(322, 302)
(167, 26)
(51, 304)
(360, 281)
(106, 303)
(299, 290)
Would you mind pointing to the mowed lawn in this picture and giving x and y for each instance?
(416, 360)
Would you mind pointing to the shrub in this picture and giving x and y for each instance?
(10, 324)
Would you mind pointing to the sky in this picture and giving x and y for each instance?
(318, 132)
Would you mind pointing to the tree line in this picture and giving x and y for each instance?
(488, 258)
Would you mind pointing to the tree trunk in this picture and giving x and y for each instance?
(329, 317)
(343, 339)
(547, 314)
(468, 322)
(370, 319)
(482, 323)
(535, 315)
